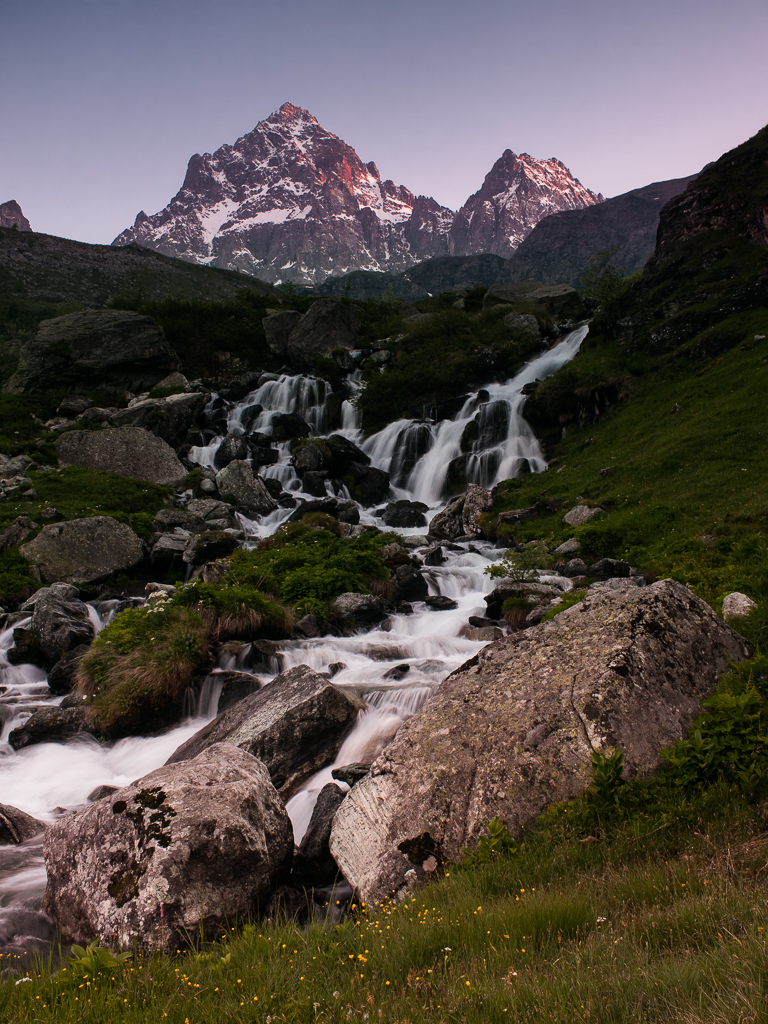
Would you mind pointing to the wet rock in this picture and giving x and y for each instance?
(60, 621)
(339, 508)
(100, 792)
(440, 603)
(737, 606)
(434, 556)
(476, 501)
(208, 840)
(128, 451)
(410, 585)
(367, 485)
(52, 725)
(16, 826)
(231, 448)
(405, 514)
(480, 621)
(235, 686)
(295, 726)
(83, 550)
(238, 481)
(106, 350)
(61, 677)
(335, 667)
(609, 568)
(20, 528)
(286, 425)
(625, 669)
(208, 546)
(449, 524)
(169, 418)
(579, 515)
(397, 672)
(361, 609)
(316, 483)
(351, 773)
(317, 865)
(575, 568)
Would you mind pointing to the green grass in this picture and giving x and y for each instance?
(673, 477)
(307, 568)
(137, 669)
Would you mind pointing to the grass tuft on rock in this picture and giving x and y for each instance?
(138, 668)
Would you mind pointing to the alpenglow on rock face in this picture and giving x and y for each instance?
(514, 729)
(292, 202)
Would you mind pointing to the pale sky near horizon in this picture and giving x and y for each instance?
(103, 102)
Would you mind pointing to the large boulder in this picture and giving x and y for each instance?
(185, 851)
(238, 481)
(514, 729)
(127, 451)
(20, 528)
(449, 524)
(278, 327)
(477, 500)
(60, 621)
(328, 325)
(169, 418)
(106, 350)
(83, 550)
(295, 725)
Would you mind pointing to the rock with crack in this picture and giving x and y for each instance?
(295, 726)
(205, 843)
(514, 729)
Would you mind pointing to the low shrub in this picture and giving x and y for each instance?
(236, 612)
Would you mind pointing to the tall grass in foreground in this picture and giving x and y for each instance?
(620, 928)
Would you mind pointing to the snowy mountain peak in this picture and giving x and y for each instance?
(291, 201)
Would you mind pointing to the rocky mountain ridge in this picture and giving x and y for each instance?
(290, 201)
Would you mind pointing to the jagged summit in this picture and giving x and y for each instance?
(291, 201)
(11, 216)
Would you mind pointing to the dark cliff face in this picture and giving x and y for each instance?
(560, 247)
(290, 201)
(11, 216)
(705, 288)
(729, 195)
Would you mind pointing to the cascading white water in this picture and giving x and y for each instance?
(393, 668)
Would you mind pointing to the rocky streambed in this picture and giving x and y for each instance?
(378, 748)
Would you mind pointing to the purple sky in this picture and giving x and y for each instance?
(104, 101)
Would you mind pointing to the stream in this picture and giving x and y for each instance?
(394, 668)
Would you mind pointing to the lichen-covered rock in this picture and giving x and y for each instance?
(362, 609)
(737, 606)
(103, 350)
(83, 550)
(514, 729)
(580, 514)
(239, 482)
(448, 524)
(295, 725)
(476, 501)
(188, 849)
(20, 528)
(52, 725)
(128, 451)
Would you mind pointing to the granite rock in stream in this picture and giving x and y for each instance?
(513, 730)
(60, 621)
(208, 840)
(295, 725)
(16, 826)
(169, 418)
(238, 481)
(314, 863)
(52, 725)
